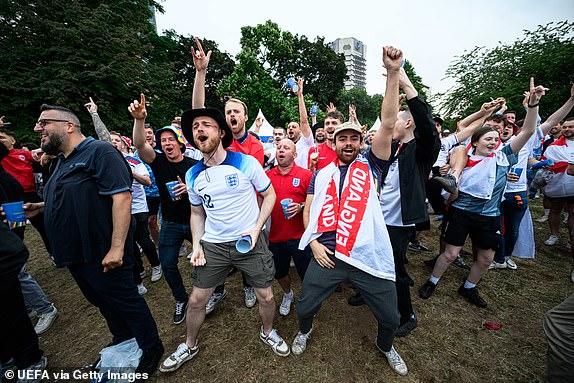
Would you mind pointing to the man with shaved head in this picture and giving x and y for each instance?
(289, 181)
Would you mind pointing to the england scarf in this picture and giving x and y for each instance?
(362, 239)
(479, 176)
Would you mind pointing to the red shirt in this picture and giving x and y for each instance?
(19, 165)
(326, 155)
(292, 185)
(250, 146)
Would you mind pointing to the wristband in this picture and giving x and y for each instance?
(533, 106)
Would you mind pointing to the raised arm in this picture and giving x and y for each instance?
(101, 130)
(529, 125)
(381, 146)
(201, 61)
(467, 125)
(353, 114)
(138, 111)
(303, 119)
(559, 115)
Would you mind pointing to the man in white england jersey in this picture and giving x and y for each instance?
(222, 192)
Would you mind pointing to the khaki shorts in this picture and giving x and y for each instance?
(257, 265)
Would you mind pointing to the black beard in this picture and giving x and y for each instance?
(320, 140)
(52, 147)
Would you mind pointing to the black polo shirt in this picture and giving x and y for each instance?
(78, 202)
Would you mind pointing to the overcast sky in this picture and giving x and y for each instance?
(430, 33)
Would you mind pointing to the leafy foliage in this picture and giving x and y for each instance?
(504, 71)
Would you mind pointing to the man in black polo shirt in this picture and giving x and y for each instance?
(87, 216)
(168, 164)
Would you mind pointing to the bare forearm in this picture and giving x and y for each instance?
(557, 116)
(100, 128)
(144, 180)
(198, 100)
(121, 219)
(197, 223)
(303, 119)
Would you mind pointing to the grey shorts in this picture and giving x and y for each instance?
(257, 265)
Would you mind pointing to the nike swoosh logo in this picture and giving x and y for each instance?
(201, 188)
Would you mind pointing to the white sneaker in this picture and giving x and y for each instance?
(551, 241)
(179, 357)
(182, 250)
(250, 297)
(544, 218)
(395, 361)
(141, 289)
(214, 300)
(511, 264)
(45, 321)
(285, 307)
(274, 341)
(156, 273)
(496, 265)
(300, 342)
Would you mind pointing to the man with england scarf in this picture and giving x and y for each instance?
(345, 228)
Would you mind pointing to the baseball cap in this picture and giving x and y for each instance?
(348, 126)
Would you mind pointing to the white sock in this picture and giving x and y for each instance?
(434, 279)
(546, 212)
(289, 294)
(469, 285)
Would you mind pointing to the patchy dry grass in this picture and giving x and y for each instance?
(449, 345)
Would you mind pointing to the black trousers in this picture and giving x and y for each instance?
(18, 339)
(400, 237)
(115, 294)
(143, 238)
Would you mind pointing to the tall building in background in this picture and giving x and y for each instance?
(355, 53)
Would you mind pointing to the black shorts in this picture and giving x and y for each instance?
(484, 231)
(569, 200)
(152, 205)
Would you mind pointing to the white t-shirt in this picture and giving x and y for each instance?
(446, 144)
(302, 146)
(390, 198)
(139, 202)
(228, 195)
(523, 155)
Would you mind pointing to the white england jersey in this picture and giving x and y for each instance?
(228, 195)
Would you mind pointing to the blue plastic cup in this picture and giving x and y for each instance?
(243, 244)
(15, 214)
(314, 109)
(170, 186)
(292, 84)
(517, 171)
(285, 205)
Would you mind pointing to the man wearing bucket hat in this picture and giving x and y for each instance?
(241, 142)
(168, 165)
(222, 191)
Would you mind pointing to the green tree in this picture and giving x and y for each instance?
(368, 107)
(416, 80)
(504, 71)
(63, 51)
(268, 58)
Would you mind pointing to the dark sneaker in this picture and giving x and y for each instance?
(459, 262)
(149, 361)
(427, 290)
(356, 300)
(448, 182)
(419, 247)
(472, 296)
(464, 253)
(406, 328)
(179, 313)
